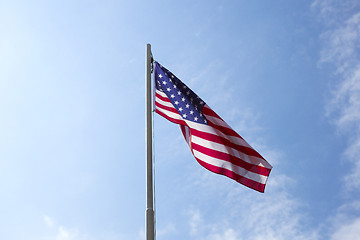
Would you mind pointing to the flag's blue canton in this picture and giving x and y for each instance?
(186, 102)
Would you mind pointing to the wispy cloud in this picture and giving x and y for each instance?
(275, 216)
(48, 220)
(244, 214)
(346, 223)
(341, 49)
(67, 234)
(348, 231)
(166, 230)
(61, 232)
(195, 221)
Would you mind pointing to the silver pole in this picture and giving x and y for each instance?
(150, 218)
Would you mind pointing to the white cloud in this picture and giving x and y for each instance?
(228, 234)
(346, 223)
(253, 217)
(332, 12)
(195, 221)
(241, 213)
(349, 231)
(341, 48)
(48, 220)
(61, 232)
(67, 234)
(167, 229)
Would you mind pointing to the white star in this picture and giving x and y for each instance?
(172, 76)
(164, 82)
(168, 89)
(191, 112)
(179, 92)
(187, 106)
(201, 102)
(160, 76)
(184, 87)
(183, 99)
(174, 86)
(184, 116)
(180, 109)
(195, 119)
(205, 121)
(172, 95)
(188, 92)
(176, 102)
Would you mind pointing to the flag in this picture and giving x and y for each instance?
(214, 144)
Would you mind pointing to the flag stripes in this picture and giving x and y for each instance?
(215, 145)
(240, 179)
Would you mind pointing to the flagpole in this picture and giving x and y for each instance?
(150, 218)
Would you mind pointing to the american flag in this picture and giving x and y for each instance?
(214, 144)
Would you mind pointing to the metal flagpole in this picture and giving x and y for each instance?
(150, 217)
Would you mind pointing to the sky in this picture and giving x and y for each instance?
(284, 74)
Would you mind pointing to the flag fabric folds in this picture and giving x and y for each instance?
(214, 144)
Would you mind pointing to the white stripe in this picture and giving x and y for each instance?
(228, 150)
(167, 104)
(170, 114)
(216, 120)
(209, 129)
(233, 168)
(161, 93)
(221, 123)
(235, 140)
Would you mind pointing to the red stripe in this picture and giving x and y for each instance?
(177, 121)
(232, 159)
(225, 142)
(182, 127)
(170, 109)
(208, 111)
(187, 135)
(240, 179)
(165, 99)
(183, 130)
(226, 130)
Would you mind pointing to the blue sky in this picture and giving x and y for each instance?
(284, 74)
